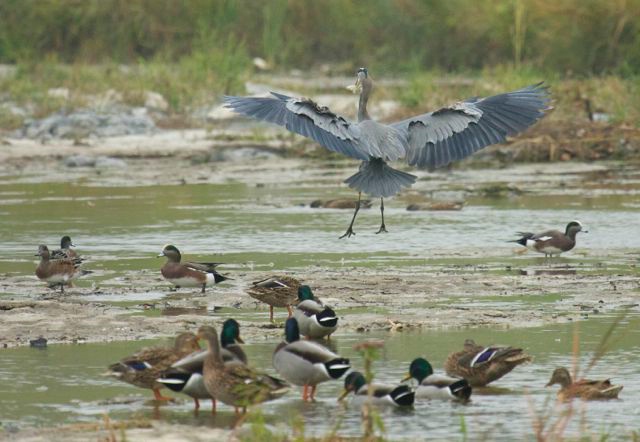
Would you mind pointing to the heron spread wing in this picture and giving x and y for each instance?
(455, 132)
(306, 118)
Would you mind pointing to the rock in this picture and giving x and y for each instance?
(38, 343)
(155, 101)
(102, 162)
(59, 92)
(436, 205)
(86, 123)
(110, 162)
(242, 154)
(261, 64)
(342, 203)
(80, 161)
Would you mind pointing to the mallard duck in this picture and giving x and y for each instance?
(435, 386)
(188, 274)
(551, 242)
(399, 395)
(306, 363)
(583, 388)
(315, 320)
(144, 367)
(185, 375)
(65, 250)
(234, 383)
(276, 291)
(58, 272)
(483, 365)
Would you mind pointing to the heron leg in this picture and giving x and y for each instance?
(350, 231)
(383, 228)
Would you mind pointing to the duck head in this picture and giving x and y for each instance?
(560, 376)
(66, 243)
(419, 369)
(230, 333)
(353, 382)
(171, 252)
(304, 293)
(291, 330)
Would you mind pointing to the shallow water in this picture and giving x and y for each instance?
(64, 384)
(261, 221)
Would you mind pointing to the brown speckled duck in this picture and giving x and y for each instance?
(583, 388)
(236, 384)
(482, 365)
(57, 272)
(276, 291)
(143, 368)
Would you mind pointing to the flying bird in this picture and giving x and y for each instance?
(429, 141)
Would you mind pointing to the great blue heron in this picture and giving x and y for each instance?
(429, 140)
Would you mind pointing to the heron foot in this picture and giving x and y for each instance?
(348, 233)
(383, 229)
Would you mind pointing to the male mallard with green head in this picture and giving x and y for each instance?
(276, 291)
(315, 320)
(482, 365)
(185, 375)
(143, 368)
(583, 388)
(234, 383)
(397, 395)
(437, 386)
(306, 363)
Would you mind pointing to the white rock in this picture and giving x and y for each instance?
(59, 92)
(155, 101)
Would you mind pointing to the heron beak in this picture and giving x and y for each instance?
(344, 394)
(356, 88)
(407, 378)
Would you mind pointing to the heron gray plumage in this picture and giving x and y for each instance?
(430, 140)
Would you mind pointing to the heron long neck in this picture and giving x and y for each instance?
(364, 98)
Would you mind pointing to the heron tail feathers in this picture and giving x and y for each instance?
(377, 179)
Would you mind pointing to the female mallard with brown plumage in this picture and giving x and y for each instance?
(276, 291)
(583, 388)
(482, 365)
(185, 375)
(236, 384)
(144, 367)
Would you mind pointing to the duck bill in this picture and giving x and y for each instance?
(406, 378)
(344, 394)
(549, 384)
(239, 339)
(160, 255)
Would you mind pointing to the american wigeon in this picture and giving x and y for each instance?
(65, 250)
(315, 320)
(276, 291)
(482, 365)
(188, 274)
(583, 388)
(57, 272)
(306, 363)
(551, 242)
